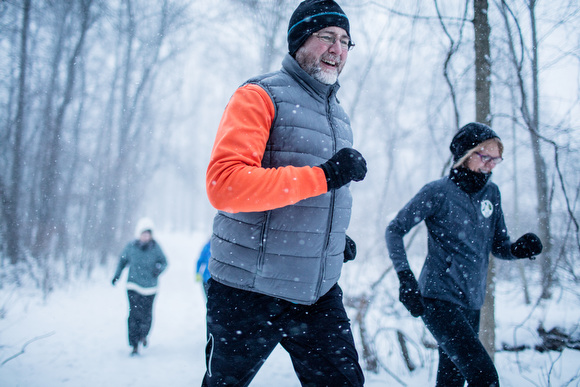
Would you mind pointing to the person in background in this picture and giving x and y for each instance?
(465, 223)
(279, 176)
(201, 268)
(146, 262)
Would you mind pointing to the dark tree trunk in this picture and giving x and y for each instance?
(483, 115)
(12, 194)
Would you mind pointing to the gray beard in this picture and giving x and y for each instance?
(314, 70)
(324, 77)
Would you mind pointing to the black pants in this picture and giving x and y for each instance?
(462, 357)
(244, 328)
(140, 316)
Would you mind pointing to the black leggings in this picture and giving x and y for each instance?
(244, 327)
(462, 357)
(140, 316)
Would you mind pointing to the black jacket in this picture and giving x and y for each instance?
(463, 229)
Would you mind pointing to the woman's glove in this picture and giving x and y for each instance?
(409, 293)
(527, 246)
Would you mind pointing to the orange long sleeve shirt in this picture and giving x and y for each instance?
(235, 179)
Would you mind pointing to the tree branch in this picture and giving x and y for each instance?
(25, 345)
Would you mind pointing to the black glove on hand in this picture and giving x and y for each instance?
(345, 166)
(409, 293)
(156, 270)
(349, 249)
(527, 246)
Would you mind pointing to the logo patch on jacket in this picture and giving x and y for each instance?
(486, 208)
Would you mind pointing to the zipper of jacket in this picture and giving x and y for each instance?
(262, 248)
(332, 200)
(476, 204)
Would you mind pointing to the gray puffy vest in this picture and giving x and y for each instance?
(295, 252)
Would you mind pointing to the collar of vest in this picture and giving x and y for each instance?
(292, 67)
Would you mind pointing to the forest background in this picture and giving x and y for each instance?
(108, 111)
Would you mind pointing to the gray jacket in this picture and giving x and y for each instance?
(295, 252)
(145, 263)
(462, 231)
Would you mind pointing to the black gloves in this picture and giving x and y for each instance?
(527, 246)
(349, 249)
(345, 166)
(157, 270)
(114, 281)
(409, 293)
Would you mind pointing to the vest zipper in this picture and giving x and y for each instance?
(262, 248)
(324, 256)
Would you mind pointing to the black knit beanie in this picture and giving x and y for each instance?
(468, 137)
(311, 16)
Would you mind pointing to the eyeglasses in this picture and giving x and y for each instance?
(330, 39)
(488, 159)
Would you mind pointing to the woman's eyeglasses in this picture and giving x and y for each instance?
(488, 159)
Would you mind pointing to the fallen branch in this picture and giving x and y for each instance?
(405, 351)
(555, 340)
(505, 347)
(25, 345)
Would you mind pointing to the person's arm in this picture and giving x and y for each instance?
(198, 264)
(501, 247)
(418, 209)
(415, 211)
(160, 260)
(527, 246)
(203, 257)
(123, 260)
(235, 179)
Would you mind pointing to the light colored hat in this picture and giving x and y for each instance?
(144, 224)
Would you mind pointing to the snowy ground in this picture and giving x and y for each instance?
(78, 338)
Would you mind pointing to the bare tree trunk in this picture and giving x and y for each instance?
(531, 116)
(273, 22)
(63, 150)
(270, 18)
(483, 115)
(487, 323)
(51, 168)
(453, 47)
(125, 178)
(540, 165)
(482, 63)
(11, 195)
(516, 201)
